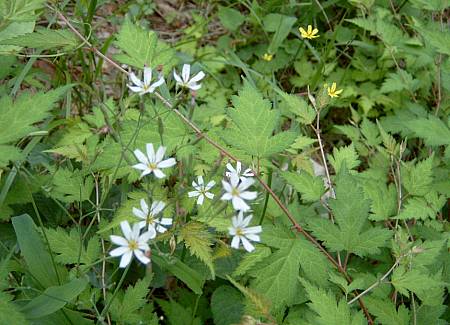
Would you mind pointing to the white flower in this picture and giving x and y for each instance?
(184, 81)
(246, 173)
(144, 87)
(133, 242)
(150, 219)
(152, 163)
(201, 190)
(241, 232)
(236, 192)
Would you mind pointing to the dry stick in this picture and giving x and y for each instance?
(224, 152)
(97, 201)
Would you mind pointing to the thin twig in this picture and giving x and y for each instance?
(224, 152)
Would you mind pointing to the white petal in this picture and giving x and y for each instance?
(239, 204)
(248, 173)
(235, 242)
(146, 172)
(135, 80)
(166, 221)
(232, 231)
(141, 157)
(193, 193)
(126, 259)
(135, 89)
(150, 152)
(118, 240)
(240, 219)
(253, 230)
(156, 84)
(199, 76)
(234, 180)
(247, 245)
(210, 185)
(158, 173)
(200, 180)
(142, 224)
(246, 221)
(141, 166)
(246, 183)
(157, 207)
(177, 77)
(209, 195)
(235, 221)
(126, 229)
(231, 168)
(136, 231)
(143, 246)
(253, 237)
(186, 72)
(161, 229)
(141, 257)
(160, 154)
(149, 234)
(194, 86)
(200, 199)
(147, 76)
(248, 195)
(226, 196)
(226, 186)
(238, 167)
(151, 229)
(138, 213)
(119, 251)
(144, 207)
(167, 163)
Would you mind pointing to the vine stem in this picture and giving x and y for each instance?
(199, 133)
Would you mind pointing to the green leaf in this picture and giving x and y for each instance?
(276, 276)
(281, 25)
(344, 155)
(417, 179)
(181, 271)
(299, 107)
(383, 198)
(9, 313)
(178, 314)
(250, 260)
(253, 124)
(70, 186)
(230, 18)
(44, 39)
(36, 256)
(9, 153)
(142, 48)
(310, 187)
(328, 310)
(198, 240)
(431, 129)
(436, 38)
(125, 309)
(401, 80)
(226, 305)
(386, 313)
(415, 281)
(53, 299)
(416, 208)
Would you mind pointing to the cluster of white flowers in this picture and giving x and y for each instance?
(135, 240)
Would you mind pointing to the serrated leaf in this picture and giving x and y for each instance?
(304, 112)
(142, 48)
(226, 305)
(253, 124)
(45, 39)
(386, 313)
(328, 310)
(70, 186)
(431, 129)
(250, 260)
(198, 240)
(9, 313)
(417, 178)
(415, 281)
(401, 80)
(344, 155)
(230, 18)
(178, 314)
(383, 199)
(310, 187)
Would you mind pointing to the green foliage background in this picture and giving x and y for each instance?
(69, 125)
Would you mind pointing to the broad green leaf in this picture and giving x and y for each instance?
(44, 38)
(431, 129)
(142, 48)
(417, 178)
(328, 310)
(198, 240)
(386, 313)
(53, 299)
(178, 314)
(250, 260)
(304, 113)
(253, 124)
(416, 281)
(281, 25)
(398, 81)
(70, 186)
(438, 39)
(9, 153)
(310, 187)
(230, 18)
(37, 258)
(226, 305)
(344, 155)
(9, 313)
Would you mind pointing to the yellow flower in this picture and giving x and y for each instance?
(333, 92)
(310, 33)
(267, 57)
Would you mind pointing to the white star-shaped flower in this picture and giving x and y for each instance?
(184, 80)
(153, 162)
(150, 217)
(231, 170)
(201, 190)
(236, 192)
(145, 86)
(133, 243)
(242, 233)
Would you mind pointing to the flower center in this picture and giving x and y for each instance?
(150, 220)
(132, 244)
(239, 232)
(152, 166)
(235, 191)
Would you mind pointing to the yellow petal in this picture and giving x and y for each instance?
(309, 29)
(302, 30)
